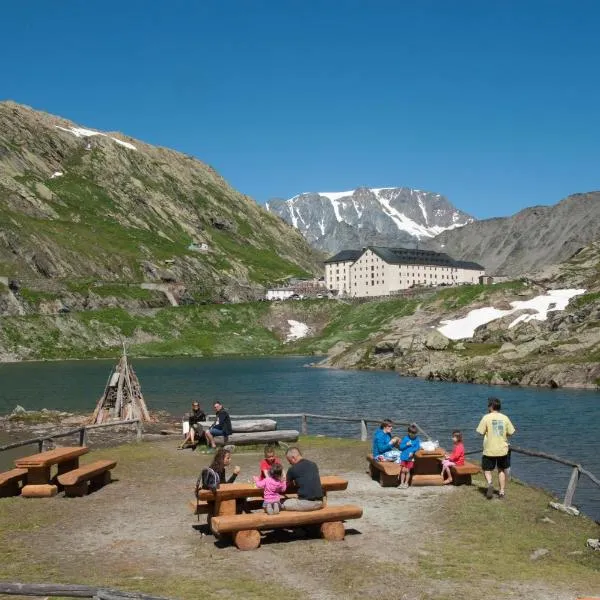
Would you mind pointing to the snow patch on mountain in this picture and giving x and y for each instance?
(460, 329)
(82, 132)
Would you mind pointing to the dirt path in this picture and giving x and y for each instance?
(140, 528)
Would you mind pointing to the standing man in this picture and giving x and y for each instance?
(221, 426)
(495, 429)
(305, 475)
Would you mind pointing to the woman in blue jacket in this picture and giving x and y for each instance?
(384, 445)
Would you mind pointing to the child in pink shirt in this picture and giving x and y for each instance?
(455, 458)
(274, 486)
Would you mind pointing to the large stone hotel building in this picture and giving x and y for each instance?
(379, 271)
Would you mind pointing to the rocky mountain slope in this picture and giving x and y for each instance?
(562, 351)
(334, 221)
(79, 206)
(528, 241)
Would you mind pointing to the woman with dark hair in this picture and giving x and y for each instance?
(221, 460)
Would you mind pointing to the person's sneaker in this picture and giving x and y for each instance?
(269, 509)
(489, 493)
(276, 508)
(501, 495)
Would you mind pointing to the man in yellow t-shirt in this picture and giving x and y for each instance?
(495, 429)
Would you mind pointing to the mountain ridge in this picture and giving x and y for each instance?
(80, 203)
(333, 221)
(531, 239)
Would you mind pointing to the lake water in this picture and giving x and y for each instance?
(564, 422)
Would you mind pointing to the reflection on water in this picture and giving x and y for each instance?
(563, 422)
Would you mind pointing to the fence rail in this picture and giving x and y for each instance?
(81, 431)
(70, 591)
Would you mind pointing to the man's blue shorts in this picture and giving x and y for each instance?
(215, 430)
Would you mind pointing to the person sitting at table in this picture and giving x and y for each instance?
(195, 432)
(305, 475)
(212, 476)
(268, 461)
(384, 445)
(221, 426)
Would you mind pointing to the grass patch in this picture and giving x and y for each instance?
(505, 533)
(463, 295)
(479, 349)
(585, 299)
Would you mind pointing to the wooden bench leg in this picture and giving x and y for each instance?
(247, 539)
(333, 531)
(10, 489)
(461, 479)
(100, 480)
(38, 475)
(374, 472)
(77, 490)
(388, 480)
(68, 465)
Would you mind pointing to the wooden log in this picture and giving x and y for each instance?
(38, 475)
(47, 589)
(39, 491)
(229, 491)
(387, 480)
(260, 437)
(247, 426)
(77, 490)
(418, 480)
(247, 539)
(333, 531)
(260, 520)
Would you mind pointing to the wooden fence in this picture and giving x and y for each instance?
(80, 431)
(70, 591)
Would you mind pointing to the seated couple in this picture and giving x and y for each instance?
(196, 434)
(391, 448)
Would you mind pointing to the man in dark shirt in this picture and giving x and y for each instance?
(221, 426)
(305, 475)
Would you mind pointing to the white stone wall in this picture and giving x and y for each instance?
(337, 277)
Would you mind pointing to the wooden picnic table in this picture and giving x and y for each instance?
(39, 468)
(228, 515)
(223, 501)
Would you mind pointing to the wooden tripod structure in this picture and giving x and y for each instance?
(122, 399)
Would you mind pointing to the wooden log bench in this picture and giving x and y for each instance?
(245, 528)
(202, 507)
(384, 472)
(461, 475)
(82, 480)
(11, 482)
(258, 437)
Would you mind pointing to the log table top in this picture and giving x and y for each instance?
(233, 491)
(51, 457)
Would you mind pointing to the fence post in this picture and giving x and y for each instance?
(363, 430)
(40, 445)
(138, 431)
(304, 426)
(83, 436)
(572, 486)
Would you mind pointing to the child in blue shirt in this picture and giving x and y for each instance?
(408, 447)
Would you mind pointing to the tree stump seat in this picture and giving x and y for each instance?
(82, 480)
(245, 527)
(11, 481)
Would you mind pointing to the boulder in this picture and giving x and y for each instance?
(436, 341)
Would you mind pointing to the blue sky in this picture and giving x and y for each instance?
(493, 103)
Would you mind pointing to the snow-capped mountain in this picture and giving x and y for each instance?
(395, 216)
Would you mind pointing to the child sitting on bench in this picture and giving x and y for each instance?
(455, 458)
(273, 486)
(268, 461)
